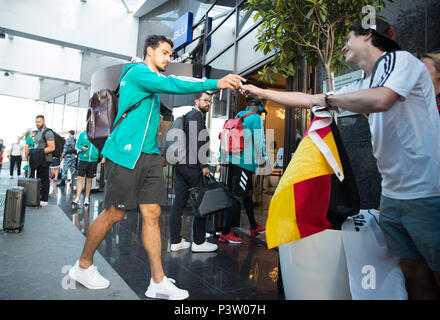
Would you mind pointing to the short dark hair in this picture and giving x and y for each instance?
(376, 40)
(199, 94)
(72, 132)
(40, 116)
(154, 41)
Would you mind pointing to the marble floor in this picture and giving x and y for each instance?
(237, 272)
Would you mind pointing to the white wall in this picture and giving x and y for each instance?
(100, 25)
(18, 85)
(40, 59)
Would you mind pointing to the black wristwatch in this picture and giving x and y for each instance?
(327, 104)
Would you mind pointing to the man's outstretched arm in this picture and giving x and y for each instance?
(363, 101)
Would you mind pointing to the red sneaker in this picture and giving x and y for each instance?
(229, 238)
(258, 230)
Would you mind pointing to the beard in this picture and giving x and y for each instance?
(204, 110)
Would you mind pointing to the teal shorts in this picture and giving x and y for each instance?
(412, 229)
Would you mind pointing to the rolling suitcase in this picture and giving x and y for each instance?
(215, 223)
(32, 190)
(15, 205)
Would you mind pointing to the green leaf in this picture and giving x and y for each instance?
(309, 14)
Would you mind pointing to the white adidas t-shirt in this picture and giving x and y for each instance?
(406, 138)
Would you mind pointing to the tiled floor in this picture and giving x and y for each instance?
(247, 271)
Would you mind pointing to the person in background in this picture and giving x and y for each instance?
(55, 169)
(29, 145)
(45, 140)
(189, 175)
(244, 165)
(69, 158)
(2, 148)
(432, 63)
(88, 162)
(15, 156)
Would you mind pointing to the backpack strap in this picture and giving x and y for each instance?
(246, 115)
(124, 115)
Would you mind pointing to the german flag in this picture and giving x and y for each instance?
(317, 191)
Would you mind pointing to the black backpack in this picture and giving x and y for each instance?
(59, 144)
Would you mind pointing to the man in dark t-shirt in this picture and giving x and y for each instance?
(44, 139)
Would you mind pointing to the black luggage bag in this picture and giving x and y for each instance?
(32, 190)
(209, 198)
(15, 205)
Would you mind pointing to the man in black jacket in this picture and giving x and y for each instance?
(190, 175)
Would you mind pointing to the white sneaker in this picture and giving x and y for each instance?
(89, 278)
(165, 290)
(43, 203)
(76, 201)
(86, 201)
(183, 244)
(204, 247)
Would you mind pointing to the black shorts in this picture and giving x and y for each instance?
(126, 188)
(87, 169)
(241, 181)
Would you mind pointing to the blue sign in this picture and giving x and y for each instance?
(182, 34)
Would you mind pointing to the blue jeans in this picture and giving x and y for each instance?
(412, 228)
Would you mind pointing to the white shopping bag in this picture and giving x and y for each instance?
(314, 268)
(373, 273)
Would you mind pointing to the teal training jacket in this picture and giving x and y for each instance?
(92, 153)
(137, 132)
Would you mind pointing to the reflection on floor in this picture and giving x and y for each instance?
(247, 271)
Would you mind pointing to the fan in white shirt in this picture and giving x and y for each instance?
(398, 95)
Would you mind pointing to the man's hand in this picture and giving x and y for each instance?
(231, 81)
(318, 100)
(206, 172)
(253, 91)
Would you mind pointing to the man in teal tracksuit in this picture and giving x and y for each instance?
(134, 175)
(243, 165)
(88, 161)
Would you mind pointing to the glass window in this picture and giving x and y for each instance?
(246, 54)
(70, 118)
(81, 121)
(246, 19)
(218, 13)
(224, 62)
(219, 103)
(221, 37)
(57, 119)
(190, 49)
(202, 9)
